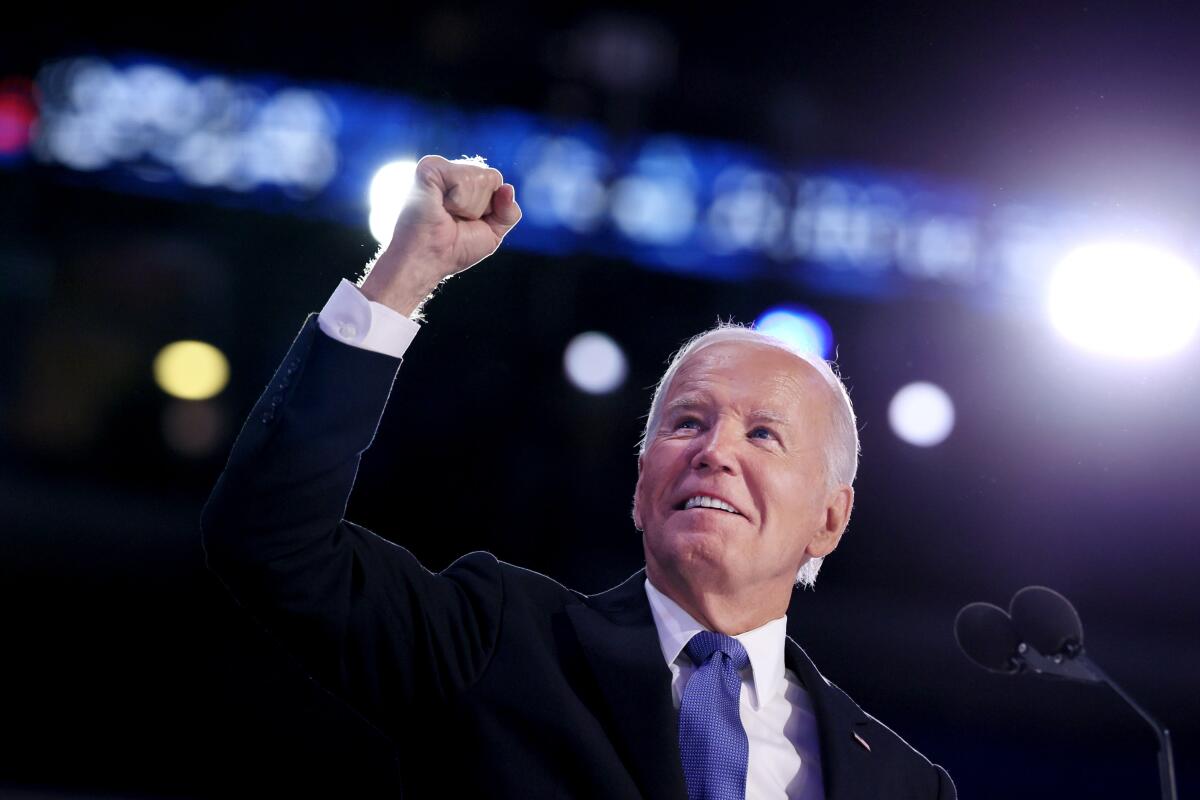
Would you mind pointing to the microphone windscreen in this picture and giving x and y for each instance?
(986, 634)
(1046, 620)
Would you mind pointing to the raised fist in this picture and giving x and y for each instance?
(456, 216)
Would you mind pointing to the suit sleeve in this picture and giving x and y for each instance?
(365, 617)
(946, 789)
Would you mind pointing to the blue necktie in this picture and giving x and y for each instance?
(712, 741)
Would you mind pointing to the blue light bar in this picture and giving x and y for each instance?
(690, 206)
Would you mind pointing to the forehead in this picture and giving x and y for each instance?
(748, 372)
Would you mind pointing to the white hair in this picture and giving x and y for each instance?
(841, 447)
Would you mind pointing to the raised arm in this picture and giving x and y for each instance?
(365, 617)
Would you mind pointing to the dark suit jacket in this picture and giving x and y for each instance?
(491, 679)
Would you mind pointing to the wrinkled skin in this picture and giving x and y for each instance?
(744, 423)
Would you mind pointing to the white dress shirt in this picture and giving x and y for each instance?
(784, 758)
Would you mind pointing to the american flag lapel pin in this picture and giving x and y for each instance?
(863, 742)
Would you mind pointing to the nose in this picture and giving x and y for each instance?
(715, 449)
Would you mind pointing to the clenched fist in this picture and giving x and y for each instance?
(456, 216)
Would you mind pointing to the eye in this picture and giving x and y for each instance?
(762, 433)
(687, 422)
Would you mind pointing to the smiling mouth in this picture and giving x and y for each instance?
(709, 503)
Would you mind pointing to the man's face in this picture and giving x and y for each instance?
(742, 424)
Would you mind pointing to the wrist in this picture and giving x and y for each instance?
(402, 288)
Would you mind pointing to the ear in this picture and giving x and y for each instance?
(837, 517)
(637, 493)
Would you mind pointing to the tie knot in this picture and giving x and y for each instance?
(705, 643)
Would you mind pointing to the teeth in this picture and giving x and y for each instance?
(704, 501)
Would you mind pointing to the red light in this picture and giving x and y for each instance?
(17, 115)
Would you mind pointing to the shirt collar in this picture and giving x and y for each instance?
(764, 644)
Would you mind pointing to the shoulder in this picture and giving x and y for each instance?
(857, 742)
(519, 584)
(903, 769)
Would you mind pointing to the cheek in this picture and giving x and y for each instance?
(645, 497)
(650, 480)
(799, 503)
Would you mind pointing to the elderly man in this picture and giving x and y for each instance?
(496, 681)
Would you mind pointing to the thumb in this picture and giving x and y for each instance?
(505, 211)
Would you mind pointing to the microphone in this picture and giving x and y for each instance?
(1048, 621)
(986, 634)
(1041, 633)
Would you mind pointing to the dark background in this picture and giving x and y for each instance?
(127, 670)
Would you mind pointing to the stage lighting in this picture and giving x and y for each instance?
(747, 211)
(656, 204)
(191, 370)
(654, 210)
(799, 327)
(563, 183)
(921, 414)
(594, 363)
(389, 191)
(1125, 300)
(18, 113)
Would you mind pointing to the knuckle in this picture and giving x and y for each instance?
(430, 165)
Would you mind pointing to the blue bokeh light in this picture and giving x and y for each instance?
(799, 327)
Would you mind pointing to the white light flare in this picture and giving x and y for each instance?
(1125, 300)
(389, 191)
(921, 414)
(594, 363)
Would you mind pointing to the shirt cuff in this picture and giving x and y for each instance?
(352, 319)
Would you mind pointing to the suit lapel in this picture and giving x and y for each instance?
(846, 763)
(616, 630)
(618, 634)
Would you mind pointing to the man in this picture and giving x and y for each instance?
(678, 683)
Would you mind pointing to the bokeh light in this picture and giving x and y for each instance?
(594, 363)
(191, 370)
(798, 327)
(389, 191)
(1125, 300)
(562, 183)
(921, 414)
(206, 130)
(653, 210)
(17, 115)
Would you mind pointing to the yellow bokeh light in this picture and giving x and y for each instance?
(191, 370)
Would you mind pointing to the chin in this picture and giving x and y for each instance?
(698, 552)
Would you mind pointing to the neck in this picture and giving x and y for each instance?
(719, 610)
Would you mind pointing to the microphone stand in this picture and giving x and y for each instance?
(1074, 665)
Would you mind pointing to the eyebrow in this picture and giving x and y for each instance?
(766, 415)
(687, 401)
(699, 401)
